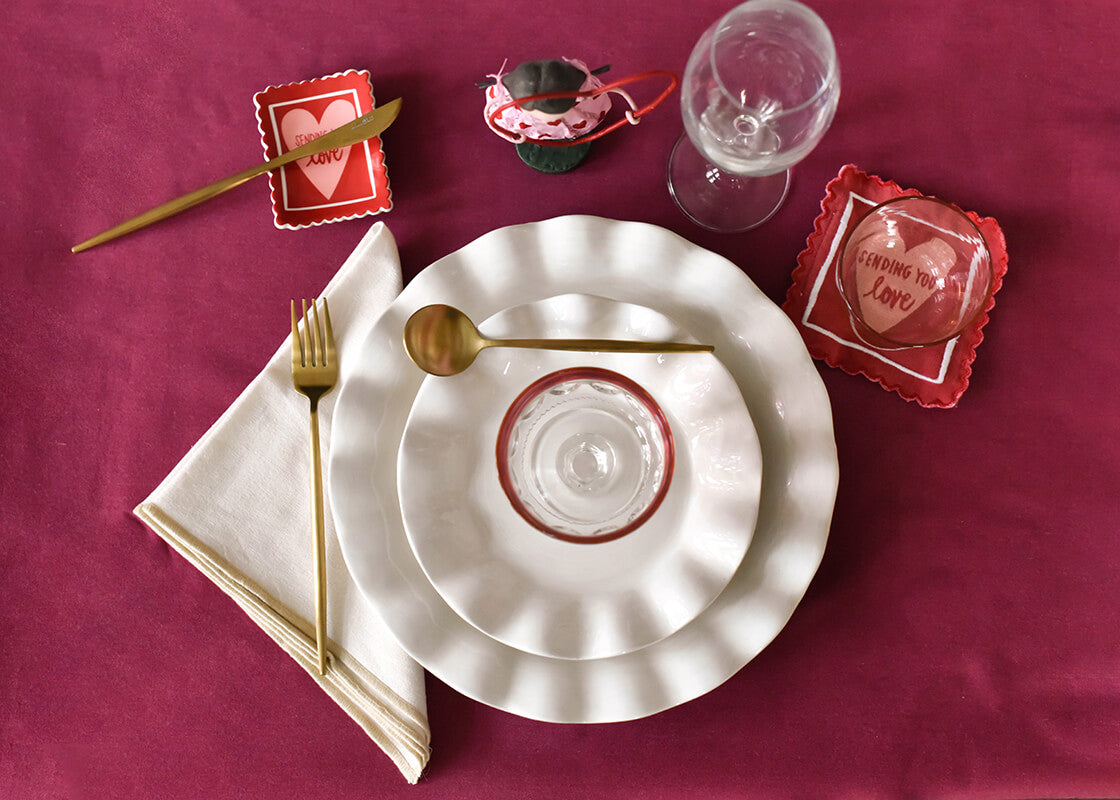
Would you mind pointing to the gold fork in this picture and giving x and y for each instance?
(314, 373)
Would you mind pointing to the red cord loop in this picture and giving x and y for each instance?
(633, 115)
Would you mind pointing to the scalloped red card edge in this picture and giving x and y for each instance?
(361, 187)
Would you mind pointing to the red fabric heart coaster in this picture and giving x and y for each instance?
(346, 183)
(934, 376)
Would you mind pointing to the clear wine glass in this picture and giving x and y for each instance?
(759, 91)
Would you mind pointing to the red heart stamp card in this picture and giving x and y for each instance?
(344, 183)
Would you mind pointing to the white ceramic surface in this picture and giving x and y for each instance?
(707, 295)
(552, 597)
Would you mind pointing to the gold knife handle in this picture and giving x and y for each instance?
(364, 127)
(172, 207)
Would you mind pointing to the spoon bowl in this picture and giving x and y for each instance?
(442, 340)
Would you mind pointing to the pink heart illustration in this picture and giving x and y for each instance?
(894, 283)
(300, 126)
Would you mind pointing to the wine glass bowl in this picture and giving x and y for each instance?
(914, 271)
(759, 91)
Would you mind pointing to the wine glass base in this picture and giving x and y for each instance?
(718, 200)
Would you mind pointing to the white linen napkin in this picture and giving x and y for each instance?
(238, 507)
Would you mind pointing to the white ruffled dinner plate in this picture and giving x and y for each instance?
(714, 300)
(557, 597)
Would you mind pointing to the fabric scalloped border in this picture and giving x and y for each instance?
(934, 377)
(381, 199)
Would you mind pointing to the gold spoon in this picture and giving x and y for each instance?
(442, 340)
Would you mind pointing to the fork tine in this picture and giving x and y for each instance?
(328, 339)
(317, 346)
(297, 342)
(309, 338)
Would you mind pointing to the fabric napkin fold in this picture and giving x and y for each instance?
(238, 507)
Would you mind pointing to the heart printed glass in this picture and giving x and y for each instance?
(914, 271)
(759, 92)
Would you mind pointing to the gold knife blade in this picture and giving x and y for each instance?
(364, 127)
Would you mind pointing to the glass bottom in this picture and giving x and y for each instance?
(719, 200)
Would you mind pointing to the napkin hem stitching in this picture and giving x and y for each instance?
(346, 682)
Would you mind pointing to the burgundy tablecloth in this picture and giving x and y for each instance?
(962, 637)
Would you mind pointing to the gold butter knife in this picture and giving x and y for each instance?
(364, 127)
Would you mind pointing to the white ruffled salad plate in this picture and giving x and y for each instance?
(563, 597)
